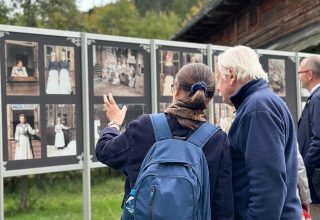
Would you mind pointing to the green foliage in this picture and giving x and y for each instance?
(59, 196)
(3, 13)
(158, 19)
(158, 26)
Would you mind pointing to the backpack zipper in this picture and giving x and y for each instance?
(151, 202)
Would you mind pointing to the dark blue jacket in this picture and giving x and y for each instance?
(264, 156)
(126, 152)
(309, 138)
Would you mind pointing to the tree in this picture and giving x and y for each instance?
(119, 18)
(159, 26)
(3, 13)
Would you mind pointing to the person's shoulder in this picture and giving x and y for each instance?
(141, 121)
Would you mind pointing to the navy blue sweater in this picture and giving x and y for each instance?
(126, 152)
(264, 156)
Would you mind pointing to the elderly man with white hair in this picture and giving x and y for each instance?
(263, 140)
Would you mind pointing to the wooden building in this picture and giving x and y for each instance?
(291, 25)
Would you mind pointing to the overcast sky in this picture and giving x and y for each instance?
(85, 5)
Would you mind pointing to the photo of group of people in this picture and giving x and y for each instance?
(61, 130)
(118, 70)
(59, 70)
(101, 121)
(277, 76)
(170, 63)
(22, 72)
(24, 132)
(24, 140)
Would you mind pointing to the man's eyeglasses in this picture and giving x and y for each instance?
(303, 71)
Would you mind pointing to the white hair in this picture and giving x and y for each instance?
(243, 61)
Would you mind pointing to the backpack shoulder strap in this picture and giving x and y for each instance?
(202, 135)
(160, 127)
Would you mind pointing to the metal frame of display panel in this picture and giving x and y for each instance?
(74, 40)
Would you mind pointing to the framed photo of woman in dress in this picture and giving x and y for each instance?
(61, 130)
(59, 70)
(23, 122)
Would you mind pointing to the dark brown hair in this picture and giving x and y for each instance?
(197, 99)
(191, 74)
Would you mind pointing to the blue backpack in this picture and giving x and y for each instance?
(173, 182)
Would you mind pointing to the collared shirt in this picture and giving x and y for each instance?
(314, 88)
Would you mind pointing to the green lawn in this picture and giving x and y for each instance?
(62, 200)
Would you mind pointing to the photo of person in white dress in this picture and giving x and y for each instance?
(19, 70)
(53, 78)
(59, 141)
(64, 75)
(23, 142)
(169, 71)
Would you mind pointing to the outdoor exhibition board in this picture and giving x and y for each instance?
(43, 79)
(41, 98)
(282, 76)
(120, 66)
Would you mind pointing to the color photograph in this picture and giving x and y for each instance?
(59, 70)
(61, 130)
(23, 121)
(22, 73)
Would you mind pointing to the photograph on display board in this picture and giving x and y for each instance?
(101, 120)
(223, 115)
(118, 70)
(22, 73)
(169, 66)
(59, 70)
(23, 121)
(61, 130)
(277, 76)
(192, 58)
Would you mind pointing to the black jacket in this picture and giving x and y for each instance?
(309, 138)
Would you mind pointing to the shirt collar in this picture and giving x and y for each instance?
(315, 88)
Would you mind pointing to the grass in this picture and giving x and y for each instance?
(62, 200)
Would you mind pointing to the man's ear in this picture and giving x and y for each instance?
(233, 77)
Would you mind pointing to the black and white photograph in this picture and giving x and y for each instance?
(223, 115)
(23, 121)
(59, 70)
(101, 121)
(61, 130)
(22, 72)
(277, 76)
(118, 70)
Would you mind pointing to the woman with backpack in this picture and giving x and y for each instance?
(129, 151)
